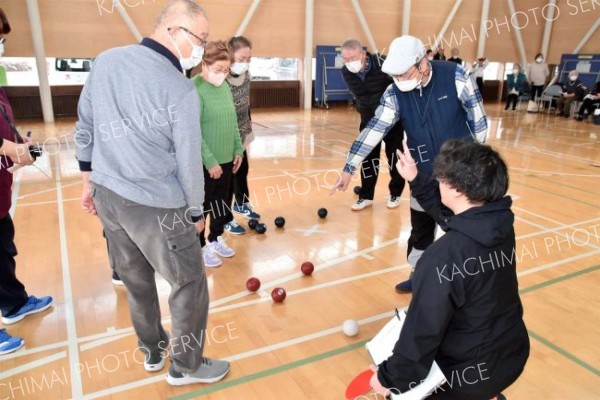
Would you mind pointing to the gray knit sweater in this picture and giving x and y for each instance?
(139, 126)
(240, 89)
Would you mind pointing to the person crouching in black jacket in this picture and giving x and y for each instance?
(465, 313)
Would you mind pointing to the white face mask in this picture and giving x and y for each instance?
(216, 78)
(239, 68)
(1, 49)
(539, 60)
(430, 58)
(354, 66)
(573, 78)
(195, 57)
(407, 85)
(515, 71)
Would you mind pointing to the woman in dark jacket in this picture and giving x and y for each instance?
(465, 312)
(15, 303)
(515, 86)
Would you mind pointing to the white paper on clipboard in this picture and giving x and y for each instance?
(382, 346)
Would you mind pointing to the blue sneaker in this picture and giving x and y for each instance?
(33, 305)
(245, 210)
(404, 287)
(8, 343)
(234, 228)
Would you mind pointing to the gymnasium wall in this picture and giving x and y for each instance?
(84, 28)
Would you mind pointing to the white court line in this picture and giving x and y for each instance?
(532, 234)
(241, 356)
(312, 288)
(34, 364)
(76, 385)
(40, 203)
(34, 350)
(100, 342)
(549, 219)
(557, 263)
(15, 193)
(555, 231)
(48, 190)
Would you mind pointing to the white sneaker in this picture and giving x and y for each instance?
(393, 202)
(361, 204)
(220, 248)
(210, 259)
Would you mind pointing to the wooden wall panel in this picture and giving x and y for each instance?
(83, 28)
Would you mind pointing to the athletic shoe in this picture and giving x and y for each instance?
(404, 287)
(361, 204)
(210, 371)
(8, 343)
(33, 306)
(220, 248)
(116, 279)
(154, 361)
(234, 228)
(245, 210)
(211, 260)
(393, 202)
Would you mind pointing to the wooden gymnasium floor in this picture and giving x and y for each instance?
(85, 347)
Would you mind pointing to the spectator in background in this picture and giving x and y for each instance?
(363, 76)
(454, 56)
(515, 86)
(589, 103)
(439, 55)
(15, 302)
(572, 91)
(222, 148)
(537, 76)
(477, 72)
(429, 54)
(239, 83)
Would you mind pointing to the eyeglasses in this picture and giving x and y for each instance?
(202, 41)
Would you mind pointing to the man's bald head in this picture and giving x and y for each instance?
(180, 24)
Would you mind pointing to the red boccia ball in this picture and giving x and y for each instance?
(278, 295)
(253, 284)
(307, 268)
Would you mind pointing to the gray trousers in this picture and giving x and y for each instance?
(146, 240)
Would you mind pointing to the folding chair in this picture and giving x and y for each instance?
(552, 92)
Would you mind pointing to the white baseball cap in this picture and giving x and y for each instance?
(405, 51)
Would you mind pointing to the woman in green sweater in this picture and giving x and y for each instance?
(222, 148)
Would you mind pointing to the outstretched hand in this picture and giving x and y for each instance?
(406, 165)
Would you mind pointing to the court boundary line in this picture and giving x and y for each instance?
(354, 346)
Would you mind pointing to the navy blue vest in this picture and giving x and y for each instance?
(436, 116)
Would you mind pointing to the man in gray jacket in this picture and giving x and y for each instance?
(139, 149)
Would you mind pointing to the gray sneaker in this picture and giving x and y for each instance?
(154, 362)
(210, 371)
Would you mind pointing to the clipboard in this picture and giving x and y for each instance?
(381, 347)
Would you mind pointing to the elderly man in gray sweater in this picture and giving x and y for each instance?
(139, 149)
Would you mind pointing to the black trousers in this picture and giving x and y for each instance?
(12, 292)
(589, 105)
(238, 187)
(536, 90)
(422, 232)
(479, 82)
(370, 168)
(216, 192)
(511, 97)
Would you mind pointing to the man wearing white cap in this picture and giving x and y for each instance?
(435, 101)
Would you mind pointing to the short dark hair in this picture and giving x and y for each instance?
(4, 25)
(239, 42)
(539, 55)
(473, 169)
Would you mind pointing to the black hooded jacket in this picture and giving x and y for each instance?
(465, 312)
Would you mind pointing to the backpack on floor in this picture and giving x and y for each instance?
(532, 106)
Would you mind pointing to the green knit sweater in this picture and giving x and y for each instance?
(220, 134)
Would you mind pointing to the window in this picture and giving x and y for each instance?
(274, 69)
(22, 71)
